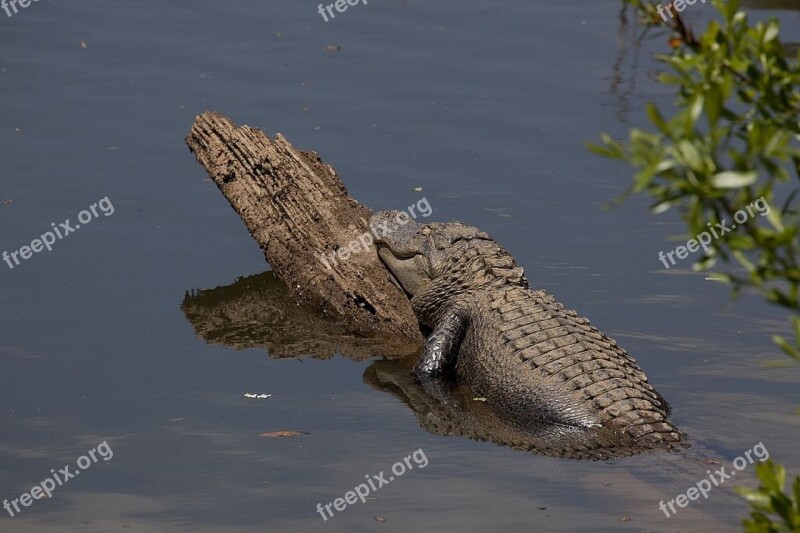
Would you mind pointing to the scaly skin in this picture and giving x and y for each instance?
(532, 359)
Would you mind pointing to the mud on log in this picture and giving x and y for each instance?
(296, 207)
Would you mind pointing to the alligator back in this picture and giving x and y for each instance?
(536, 360)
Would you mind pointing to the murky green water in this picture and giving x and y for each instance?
(486, 106)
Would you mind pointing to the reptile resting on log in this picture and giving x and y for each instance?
(533, 361)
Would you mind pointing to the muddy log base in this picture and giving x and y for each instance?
(296, 207)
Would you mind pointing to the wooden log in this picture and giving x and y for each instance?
(296, 208)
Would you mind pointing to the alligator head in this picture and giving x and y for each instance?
(414, 253)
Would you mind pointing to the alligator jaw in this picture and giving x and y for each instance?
(408, 272)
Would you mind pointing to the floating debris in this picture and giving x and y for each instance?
(287, 433)
(481, 399)
(256, 396)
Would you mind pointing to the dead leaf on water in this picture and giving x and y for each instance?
(380, 519)
(287, 433)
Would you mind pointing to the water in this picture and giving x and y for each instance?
(486, 106)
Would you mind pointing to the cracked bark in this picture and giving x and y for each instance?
(296, 207)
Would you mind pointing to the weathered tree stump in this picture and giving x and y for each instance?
(296, 208)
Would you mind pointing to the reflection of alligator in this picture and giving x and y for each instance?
(533, 360)
(257, 312)
(458, 412)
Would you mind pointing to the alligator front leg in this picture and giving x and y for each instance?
(438, 357)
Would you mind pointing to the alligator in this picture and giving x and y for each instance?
(522, 352)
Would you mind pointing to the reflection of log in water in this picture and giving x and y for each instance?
(258, 312)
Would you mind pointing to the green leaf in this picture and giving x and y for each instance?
(771, 32)
(610, 148)
(797, 494)
(660, 208)
(691, 155)
(787, 348)
(713, 104)
(775, 218)
(733, 180)
(756, 498)
(655, 117)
